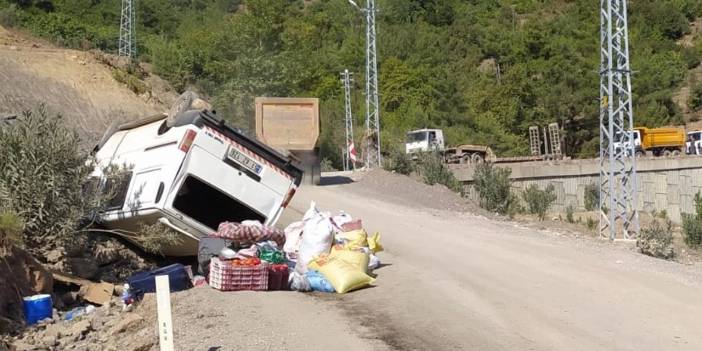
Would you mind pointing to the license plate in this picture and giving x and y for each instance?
(245, 161)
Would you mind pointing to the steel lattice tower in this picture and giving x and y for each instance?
(617, 158)
(348, 119)
(127, 34)
(371, 138)
(372, 106)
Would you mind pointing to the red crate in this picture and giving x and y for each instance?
(227, 277)
(278, 277)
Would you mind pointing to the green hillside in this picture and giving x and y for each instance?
(483, 70)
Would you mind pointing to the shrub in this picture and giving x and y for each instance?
(493, 187)
(657, 239)
(569, 214)
(11, 227)
(692, 224)
(9, 16)
(327, 165)
(696, 97)
(133, 82)
(591, 223)
(434, 171)
(153, 237)
(399, 162)
(592, 197)
(538, 201)
(43, 175)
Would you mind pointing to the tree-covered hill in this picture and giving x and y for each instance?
(483, 70)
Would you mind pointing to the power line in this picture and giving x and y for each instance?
(127, 31)
(617, 157)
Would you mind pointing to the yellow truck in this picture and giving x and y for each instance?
(657, 141)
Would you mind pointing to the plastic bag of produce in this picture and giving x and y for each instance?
(357, 259)
(352, 225)
(374, 243)
(293, 233)
(343, 276)
(318, 282)
(247, 253)
(317, 235)
(298, 282)
(341, 219)
(354, 239)
(271, 255)
(373, 262)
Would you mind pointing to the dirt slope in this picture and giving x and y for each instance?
(73, 83)
(682, 96)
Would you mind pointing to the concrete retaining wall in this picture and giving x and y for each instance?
(668, 184)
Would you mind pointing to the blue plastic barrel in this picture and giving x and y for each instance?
(37, 307)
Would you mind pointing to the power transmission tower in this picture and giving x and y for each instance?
(617, 158)
(127, 33)
(350, 153)
(534, 141)
(555, 137)
(372, 134)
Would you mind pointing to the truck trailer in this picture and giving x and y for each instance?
(432, 140)
(291, 126)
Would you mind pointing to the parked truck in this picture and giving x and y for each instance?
(428, 140)
(291, 126)
(656, 141)
(694, 143)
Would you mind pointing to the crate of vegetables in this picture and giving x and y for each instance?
(278, 277)
(237, 274)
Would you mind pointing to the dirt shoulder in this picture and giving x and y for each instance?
(403, 190)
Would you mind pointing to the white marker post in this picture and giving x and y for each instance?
(165, 323)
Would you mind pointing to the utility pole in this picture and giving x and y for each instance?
(350, 158)
(127, 33)
(617, 159)
(372, 134)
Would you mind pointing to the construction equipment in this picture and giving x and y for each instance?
(432, 140)
(291, 126)
(656, 141)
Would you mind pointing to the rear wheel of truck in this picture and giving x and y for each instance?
(676, 153)
(667, 153)
(476, 158)
(640, 153)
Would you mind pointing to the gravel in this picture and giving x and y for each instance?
(404, 190)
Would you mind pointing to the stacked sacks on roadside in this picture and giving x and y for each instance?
(331, 253)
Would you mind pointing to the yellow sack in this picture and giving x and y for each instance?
(355, 239)
(355, 258)
(343, 276)
(318, 262)
(374, 243)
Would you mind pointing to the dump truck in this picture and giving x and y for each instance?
(428, 140)
(291, 126)
(655, 141)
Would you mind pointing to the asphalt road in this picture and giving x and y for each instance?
(455, 281)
